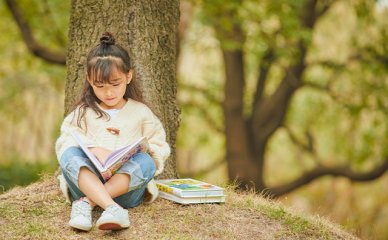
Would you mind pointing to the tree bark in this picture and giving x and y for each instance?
(148, 31)
(241, 161)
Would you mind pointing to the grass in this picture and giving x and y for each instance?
(20, 173)
(39, 211)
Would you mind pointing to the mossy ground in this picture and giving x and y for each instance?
(39, 211)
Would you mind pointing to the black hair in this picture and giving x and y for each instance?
(101, 60)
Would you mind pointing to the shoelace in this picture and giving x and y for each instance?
(112, 210)
(81, 209)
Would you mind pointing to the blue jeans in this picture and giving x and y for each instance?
(141, 168)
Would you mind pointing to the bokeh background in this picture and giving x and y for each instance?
(342, 116)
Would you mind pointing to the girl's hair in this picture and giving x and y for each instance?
(101, 60)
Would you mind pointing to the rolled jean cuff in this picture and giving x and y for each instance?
(71, 162)
(141, 168)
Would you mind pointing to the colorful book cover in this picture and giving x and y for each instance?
(187, 187)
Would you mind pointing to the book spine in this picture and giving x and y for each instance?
(167, 189)
(113, 169)
(179, 193)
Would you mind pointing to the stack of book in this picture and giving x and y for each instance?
(188, 191)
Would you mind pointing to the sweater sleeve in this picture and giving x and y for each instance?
(156, 135)
(65, 139)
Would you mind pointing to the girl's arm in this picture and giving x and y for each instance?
(160, 150)
(101, 153)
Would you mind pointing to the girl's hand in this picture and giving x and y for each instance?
(101, 153)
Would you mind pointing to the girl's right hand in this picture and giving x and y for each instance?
(101, 153)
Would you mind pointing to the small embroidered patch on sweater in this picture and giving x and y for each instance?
(114, 131)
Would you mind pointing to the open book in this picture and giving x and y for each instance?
(116, 159)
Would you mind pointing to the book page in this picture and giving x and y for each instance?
(124, 153)
(86, 150)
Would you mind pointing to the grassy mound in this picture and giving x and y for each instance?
(39, 211)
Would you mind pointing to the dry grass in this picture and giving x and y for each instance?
(40, 212)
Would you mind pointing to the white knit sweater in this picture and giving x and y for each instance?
(133, 121)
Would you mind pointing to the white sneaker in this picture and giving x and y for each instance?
(113, 218)
(81, 215)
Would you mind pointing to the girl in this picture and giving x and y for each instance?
(109, 116)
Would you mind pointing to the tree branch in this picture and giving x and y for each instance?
(313, 12)
(207, 170)
(269, 113)
(212, 123)
(319, 171)
(32, 45)
(316, 86)
(264, 68)
(309, 15)
(325, 7)
(308, 147)
(207, 94)
(59, 36)
(337, 66)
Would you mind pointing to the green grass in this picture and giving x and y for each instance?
(21, 173)
(296, 224)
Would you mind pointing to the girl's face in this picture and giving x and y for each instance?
(111, 94)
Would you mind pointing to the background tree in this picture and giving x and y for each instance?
(30, 86)
(279, 43)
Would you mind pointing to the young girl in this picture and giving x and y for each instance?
(109, 116)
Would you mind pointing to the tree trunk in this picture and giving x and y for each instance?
(241, 161)
(148, 31)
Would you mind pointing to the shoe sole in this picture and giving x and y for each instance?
(79, 227)
(111, 226)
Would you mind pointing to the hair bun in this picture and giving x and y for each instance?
(107, 39)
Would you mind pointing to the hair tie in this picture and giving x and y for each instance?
(107, 39)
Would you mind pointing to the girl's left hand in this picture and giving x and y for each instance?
(101, 153)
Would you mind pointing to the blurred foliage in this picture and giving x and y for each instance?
(48, 20)
(31, 92)
(341, 111)
(20, 173)
(347, 61)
